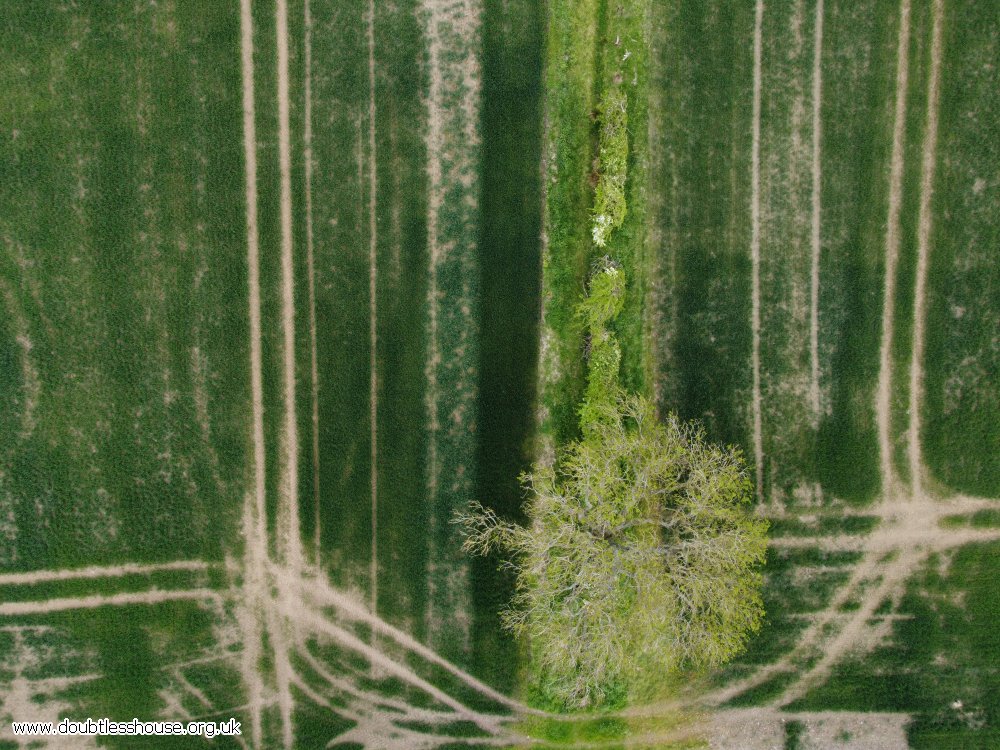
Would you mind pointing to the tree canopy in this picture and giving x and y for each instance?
(641, 556)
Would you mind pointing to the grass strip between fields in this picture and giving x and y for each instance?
(593, 47)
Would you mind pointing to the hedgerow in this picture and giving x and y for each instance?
(609, 198)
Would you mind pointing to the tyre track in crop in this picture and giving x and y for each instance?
(451, 29)
(251, 616)
(288, 541)
(325, 595)
(61, 604)
(908, 534)
(377, 658)
(924, 222)
(99, 571)
(373, 305)
(883, 395)
(817, 102)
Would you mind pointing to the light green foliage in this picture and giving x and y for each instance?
(641, 557)
(603, 304)
(609, 199)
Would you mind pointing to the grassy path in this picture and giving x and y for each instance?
(592, 46)
(816, 223)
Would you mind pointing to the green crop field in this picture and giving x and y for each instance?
(284, 284)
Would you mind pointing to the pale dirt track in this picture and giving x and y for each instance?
(307, 157)
(61, 604)
(254, 528)
(99, 571)
(289, 542)
(883, 392)
(372, 305)
(758, 440)
(817, 101)
(908, 534)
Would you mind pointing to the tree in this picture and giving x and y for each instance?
(641, 555)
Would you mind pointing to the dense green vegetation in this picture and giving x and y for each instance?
(609, 199)
(639, 559)
(457, 172)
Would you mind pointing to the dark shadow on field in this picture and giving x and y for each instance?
(509, 242)
(703, 65)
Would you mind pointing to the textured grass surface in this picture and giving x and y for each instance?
(787, 205)
(125, 349)
(124, 335)
(591, 46)
(126, 418)
(940, 662)
(962, 441)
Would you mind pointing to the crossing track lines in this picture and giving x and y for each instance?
(924, 221)
(323, 594)
(320, 625)
(909, 533)
(46, 606)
